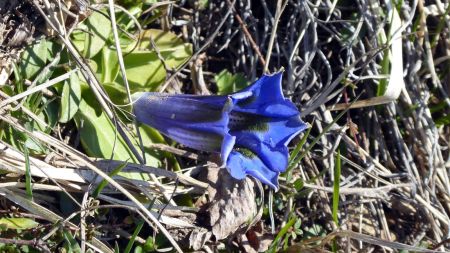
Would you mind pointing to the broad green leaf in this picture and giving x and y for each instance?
(152, 157)
(110, 65)
(52, 50)
(53, 47)
(172, 48)
(149, 136)
(33, 59)
(70, 99)
(229, 83)
(17, 223)
(51, 112)
(163, 40)
(97, 29)
(34, 146)
(97, 133)
(93, 64)
(99, 136)
(145, 70)
(175, 56)
(116, 93)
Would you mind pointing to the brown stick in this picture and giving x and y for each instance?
(248, 35)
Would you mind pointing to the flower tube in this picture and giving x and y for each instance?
(250, 128)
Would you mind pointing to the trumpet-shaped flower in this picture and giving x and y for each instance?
(250, 128)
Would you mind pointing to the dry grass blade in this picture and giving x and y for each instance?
(75, 155)
(13, 161)
(47, 214)
(388, 189)
(95, 86)
(37, 88)
(396, 83)
(376, 241)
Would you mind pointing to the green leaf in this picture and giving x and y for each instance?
(444, 120)
(138, 228)
(97, 133)
(28, 187)
(138, 249)
(71, 245)
(110, 65)
(99, 137)
(33, 59)
(298, 184)
(145, 70)
(52, 49)
(152, 157)
(280, 235)
(163, 40)
(229, 83)
(336, 188)
(149, 136)
(34, 147)
(314, 231)
(51, 112)
(177, 55)
(149, 245)
(17, 223)
(104, 183)
(116, 93)
(70, 99)
(92, 35)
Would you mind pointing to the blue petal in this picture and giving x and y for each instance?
(200, 140)
(227, 147)
(273, 131)
(186, 108)
(269, 143)
(266, 98)
(240, 165)
(250, 128)
(198, 122)
(274, 157)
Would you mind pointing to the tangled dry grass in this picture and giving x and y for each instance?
(371, 174)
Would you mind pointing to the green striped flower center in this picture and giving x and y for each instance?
(240, 121)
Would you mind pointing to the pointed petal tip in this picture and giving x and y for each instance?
(239, 166)
(227, 146)
(297, 123)
(270, 180)
(274, 77)
(276, 73)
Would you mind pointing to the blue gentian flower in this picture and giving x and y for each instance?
(250, 128)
